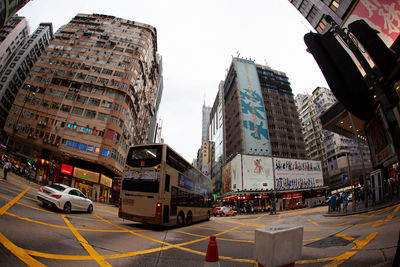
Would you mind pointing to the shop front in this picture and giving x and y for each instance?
(105, 186)
(65, 176)
(86, 181)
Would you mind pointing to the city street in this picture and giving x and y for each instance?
(33, 235)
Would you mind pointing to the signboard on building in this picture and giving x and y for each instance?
(382, 15)
(66, 169)
(236, 173)
(106, 181)
(255, 126)
(297, 173)
(257, 173)
(226, 178)
(86, 175)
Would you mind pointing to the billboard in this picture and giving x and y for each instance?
(255, 126)
(382, 15)
(236, 173)
(226, 178)
(297, 173)
(257, 173)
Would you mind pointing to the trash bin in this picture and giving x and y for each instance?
(278, 245)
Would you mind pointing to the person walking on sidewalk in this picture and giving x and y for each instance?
(345, 202)
(6, 168)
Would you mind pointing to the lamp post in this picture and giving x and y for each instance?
(26, 98)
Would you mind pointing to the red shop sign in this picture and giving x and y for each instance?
(66, 169)
(297, 195)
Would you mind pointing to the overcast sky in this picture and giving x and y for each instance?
(197, 40)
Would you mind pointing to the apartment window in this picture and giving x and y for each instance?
(114, 120)
(90, 113)
(94, 101)
(77, 111)
(322, 25)
(96, 69)
(107, 71)
(335, 5)
(55, 105)
(66, 108)
(118, 73)
(102, 116)
(91, 78)
(81, 99)
(45, 103)
(103, 81)
(106, 104)
(81, 76)
(70, 96)
(99, 91)
(117, 107)
(312, 14)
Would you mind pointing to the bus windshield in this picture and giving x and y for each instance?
(144, 156)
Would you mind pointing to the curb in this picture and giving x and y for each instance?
(378, 207)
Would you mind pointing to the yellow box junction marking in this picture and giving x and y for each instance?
(17, 251)
(92, 252)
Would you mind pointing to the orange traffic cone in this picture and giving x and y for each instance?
(212, 258)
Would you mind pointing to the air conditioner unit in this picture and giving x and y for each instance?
(58, 144)
(45, 140)
(39, 122)
(44, 123)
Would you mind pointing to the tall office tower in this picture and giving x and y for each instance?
(331, 148)
(260, 116)
(12, 35)
(216, 135)
(19, 52)
(96, 91)
(8, 8)
(204, 122)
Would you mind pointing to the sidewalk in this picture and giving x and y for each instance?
(360, 208)
(12, 177)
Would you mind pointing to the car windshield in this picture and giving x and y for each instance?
(226, 208)
(57, 187)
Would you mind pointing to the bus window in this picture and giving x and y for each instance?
(167, 179)
(144, 156)
(139, 185)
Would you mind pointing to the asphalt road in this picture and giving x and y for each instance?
(36, 236)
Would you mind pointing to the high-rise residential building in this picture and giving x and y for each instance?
(260, 115)
(19, 52)
(331, 148)
(96, 91)
(12, 35)
(8, 8)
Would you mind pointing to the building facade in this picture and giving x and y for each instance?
(96, 91)
(315, 10)
(336, 152)
(262, 120)
(8, 8)
(21, 51)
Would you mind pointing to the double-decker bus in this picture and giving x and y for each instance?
(160, 187)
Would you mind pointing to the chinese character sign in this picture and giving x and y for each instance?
(255, 126)
(382, 15)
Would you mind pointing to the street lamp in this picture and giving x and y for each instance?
(26, 98)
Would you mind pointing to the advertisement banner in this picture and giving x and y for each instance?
(236, 173)
(297, 173)
(255, 126)
(86, 175)
(226, 178)
(382, 15)
(257, 173)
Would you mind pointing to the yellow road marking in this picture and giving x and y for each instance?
(359, 244)
(310, 221)
(12, 202)
(344, 236)
(19, 252)
(92, 252)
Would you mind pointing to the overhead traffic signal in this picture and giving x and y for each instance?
(341, 73)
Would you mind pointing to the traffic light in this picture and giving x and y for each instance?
(342, 75)
(383, 57)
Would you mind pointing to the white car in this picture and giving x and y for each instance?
(64, 198)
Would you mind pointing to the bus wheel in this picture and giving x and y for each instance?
(189, 219)
(181, 219)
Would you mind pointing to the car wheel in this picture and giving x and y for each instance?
(181, 219)
(90, 208)
(189, 219)
(67, 208)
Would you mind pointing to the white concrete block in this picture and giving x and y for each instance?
(278, 245)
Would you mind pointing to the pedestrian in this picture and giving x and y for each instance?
(6, 168)
(333, 202)
(345, 202)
